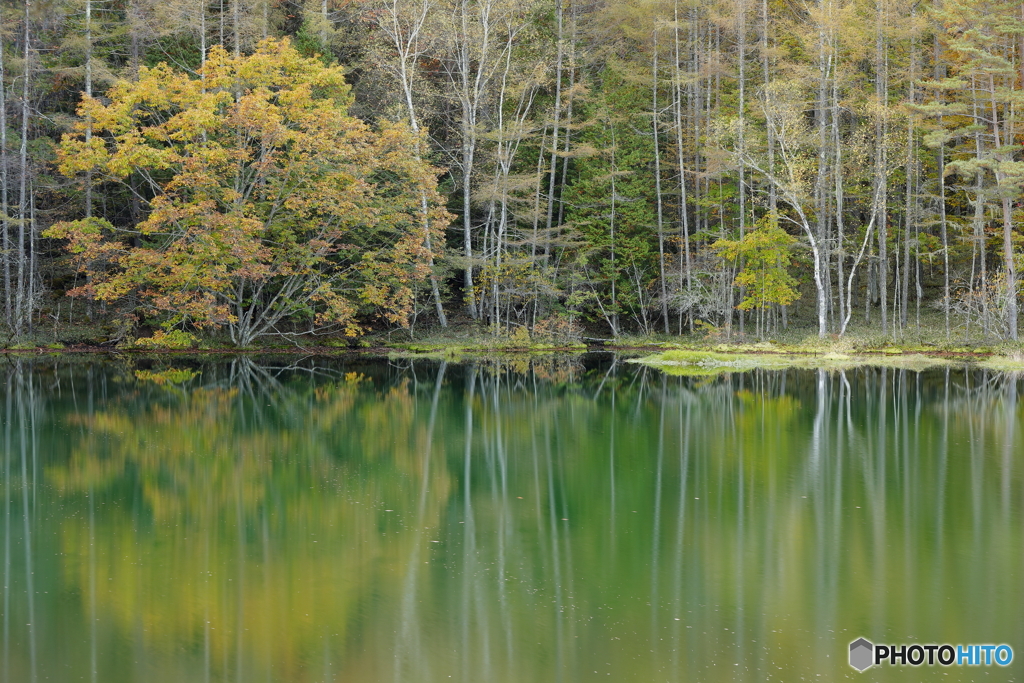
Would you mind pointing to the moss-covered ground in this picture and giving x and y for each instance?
(912, 347)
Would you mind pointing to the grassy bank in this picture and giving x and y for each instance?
(915, 346)
(688, 362)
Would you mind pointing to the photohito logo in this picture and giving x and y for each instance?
(864, 655)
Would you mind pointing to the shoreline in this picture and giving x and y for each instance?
(690, 359)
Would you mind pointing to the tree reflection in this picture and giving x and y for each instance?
(20, 470)
(540, 520)
(260, 529)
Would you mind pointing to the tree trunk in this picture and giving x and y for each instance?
(1011, 270)
(472, 82)
(684, 226)
(4, 208)
(881, 181)
(657, 185)
(824, 66)
(559, 64)
(614, 307)
(236, 29)
(88, 93)
(741, 30)
(23, 217)
(405, 40)
(845, 294)
(939, 72)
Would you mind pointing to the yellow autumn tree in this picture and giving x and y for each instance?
(766, 254)
(270, 210)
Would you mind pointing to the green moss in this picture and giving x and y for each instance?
(678, 362)
(697, 370)
(697, 357)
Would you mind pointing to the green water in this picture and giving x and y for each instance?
(547, 521)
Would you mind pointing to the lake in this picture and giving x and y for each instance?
(550, 520)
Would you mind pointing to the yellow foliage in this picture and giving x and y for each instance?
(273, 204)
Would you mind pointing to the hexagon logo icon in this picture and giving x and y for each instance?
(862, 654)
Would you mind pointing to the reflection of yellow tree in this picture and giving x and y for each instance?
(264, 539)
(740, 505)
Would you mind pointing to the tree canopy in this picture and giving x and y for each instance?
(591, 155)
(271, 210)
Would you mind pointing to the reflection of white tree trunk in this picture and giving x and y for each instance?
(208, 598)
(740, 633)
(409, 655)
(940, 506)
(8, 414)
(818, 429)
(876, 490)
(678, 601)
(1010, 420)
(93, 654)
(611, 475)
(656, 527)
(468, 531)
(24, 394)
(239, 571)
(506, 521)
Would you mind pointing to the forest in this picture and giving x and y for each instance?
(258, 169)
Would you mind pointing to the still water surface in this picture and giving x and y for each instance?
(544, 521)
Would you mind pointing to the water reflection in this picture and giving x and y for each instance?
(545, 520)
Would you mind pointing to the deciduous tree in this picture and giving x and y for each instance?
(270, 209)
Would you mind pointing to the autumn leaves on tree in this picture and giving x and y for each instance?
(534, 167)
(267, 202)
